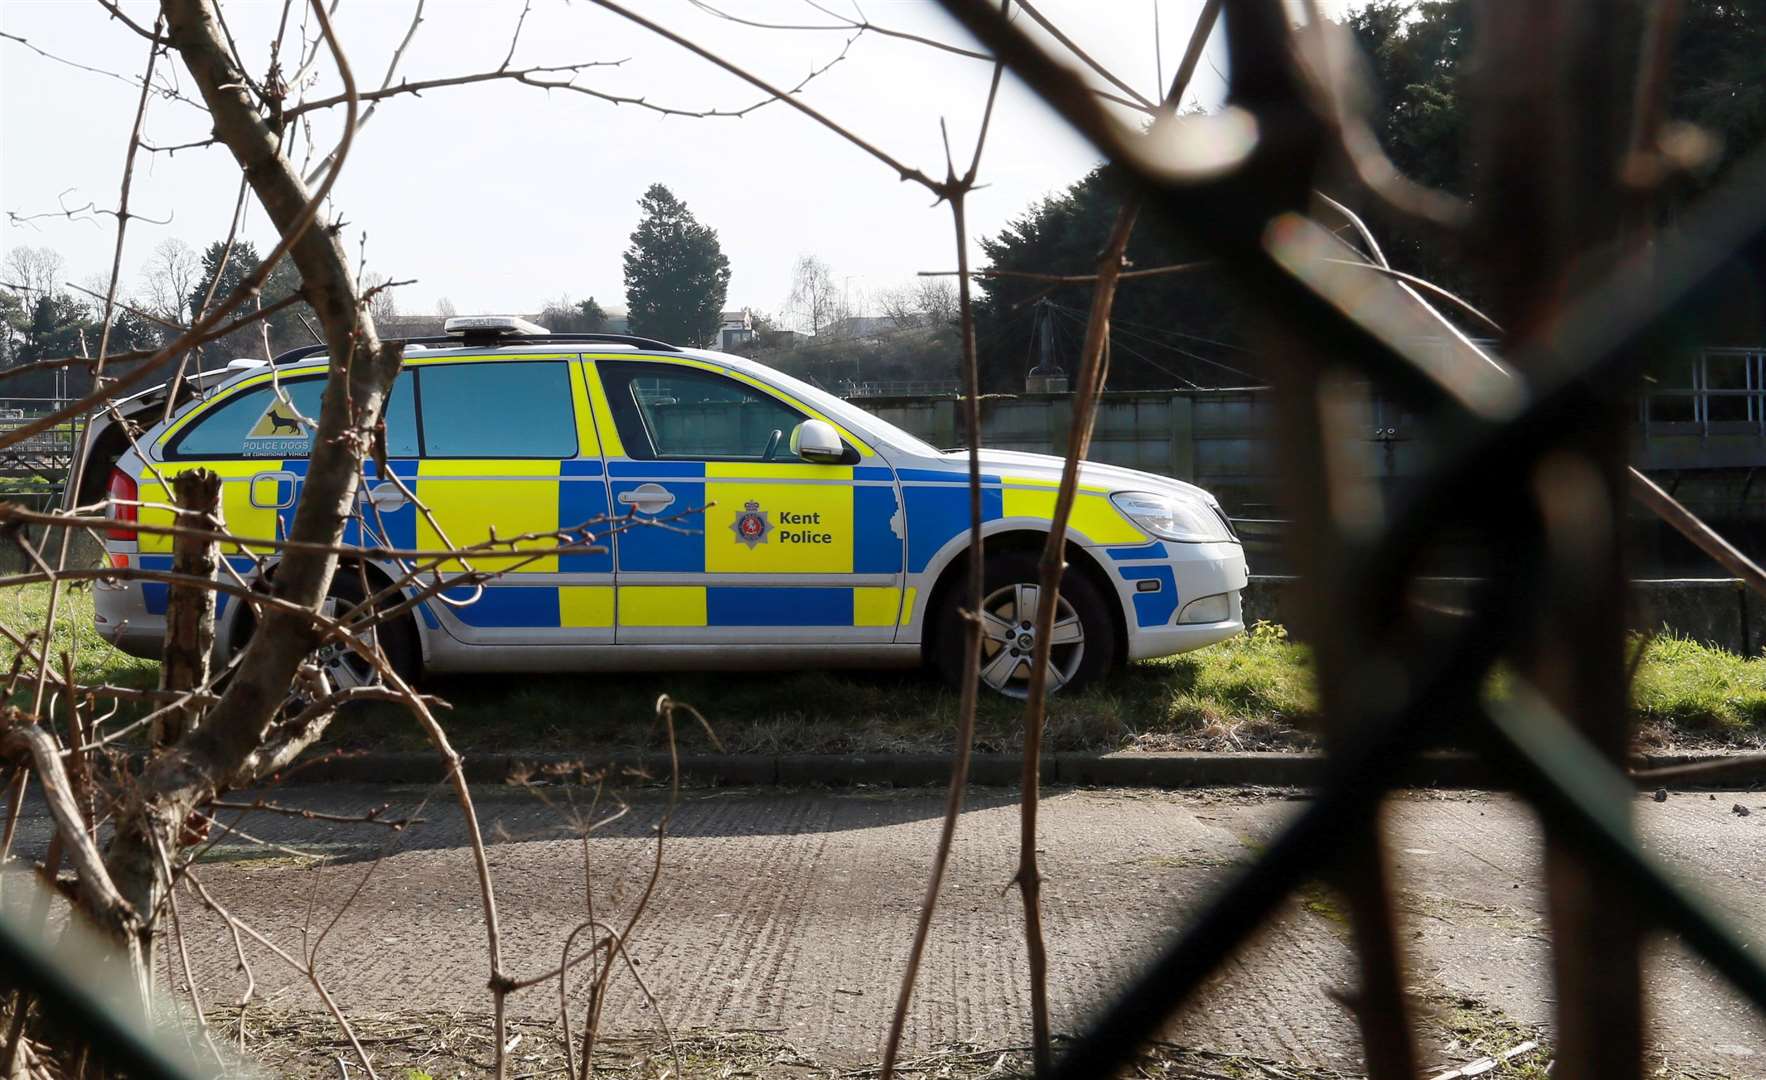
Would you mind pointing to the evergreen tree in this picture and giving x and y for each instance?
(591, 319)
(1167, 330)
(676, 275)
(285, 326)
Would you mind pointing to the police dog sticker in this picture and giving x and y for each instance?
(277, 432)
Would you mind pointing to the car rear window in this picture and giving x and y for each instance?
(510, 409)
(259, 423)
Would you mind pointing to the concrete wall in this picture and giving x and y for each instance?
(1224, 440)
(1716, 611)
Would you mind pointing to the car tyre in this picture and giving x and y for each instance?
(1086, 644)
(398, 636)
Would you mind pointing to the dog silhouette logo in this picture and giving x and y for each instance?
(276, 431)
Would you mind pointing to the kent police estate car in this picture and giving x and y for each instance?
(828, 537)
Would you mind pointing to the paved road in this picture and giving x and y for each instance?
(792, 912)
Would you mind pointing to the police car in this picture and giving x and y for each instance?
(760, 521)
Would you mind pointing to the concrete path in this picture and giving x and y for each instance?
(793, 912)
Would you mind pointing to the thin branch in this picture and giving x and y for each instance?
(515, 38)
(1074, 279)
(162, 91)
(122, 214)
(1140, 102)
(370, 817)
(130, 308)
(392, 68)
(117, 14)
(318, 985)
(1424, 284)
(98, 895)
(845, 24)
(965, 735)
(905, 172)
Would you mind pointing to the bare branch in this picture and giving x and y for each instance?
(98, 894)
(117, 14)
(845, 24)
(162, 91)
(1074, 279)
(1140, 101)
(903, 171)
(370, 817)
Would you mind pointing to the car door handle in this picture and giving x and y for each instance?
(279, 497)
(648, 498)
(387, 497)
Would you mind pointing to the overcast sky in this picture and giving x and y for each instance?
(498, 196)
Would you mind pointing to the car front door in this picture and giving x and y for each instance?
(733, 538)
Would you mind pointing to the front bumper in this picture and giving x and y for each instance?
(1193, 571)
(1148, 642)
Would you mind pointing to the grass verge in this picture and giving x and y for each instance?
(1254, 692)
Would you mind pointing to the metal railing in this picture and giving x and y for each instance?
(902, 388)
(1726, 394)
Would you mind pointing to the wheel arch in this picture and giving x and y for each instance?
(1024, 539)
(231, 634)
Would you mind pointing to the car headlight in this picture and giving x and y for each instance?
(1172, 517)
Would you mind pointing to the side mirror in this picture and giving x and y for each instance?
(816, 441)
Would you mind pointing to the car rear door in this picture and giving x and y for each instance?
(509, 450)
(733, 539)
(256, 437)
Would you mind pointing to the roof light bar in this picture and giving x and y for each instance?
(488, 325)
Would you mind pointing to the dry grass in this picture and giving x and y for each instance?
(430, 1047)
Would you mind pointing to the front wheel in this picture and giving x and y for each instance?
(1083, 644)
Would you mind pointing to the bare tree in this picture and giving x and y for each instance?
(936, 301)
(444, 308)
(928, 302)
(382, 303)
(169, 278)
(815, 302)
(33, 272)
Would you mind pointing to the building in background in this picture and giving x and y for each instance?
(734, 329)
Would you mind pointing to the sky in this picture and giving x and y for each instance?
(499, 196)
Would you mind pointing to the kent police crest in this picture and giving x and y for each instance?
(751, 525)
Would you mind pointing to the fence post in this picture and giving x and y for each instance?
(1180, 459)
(190, 609)
(944, 423)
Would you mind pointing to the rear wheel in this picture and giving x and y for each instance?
(1083, 643)
(344, 667)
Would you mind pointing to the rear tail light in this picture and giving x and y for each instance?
(124, 497)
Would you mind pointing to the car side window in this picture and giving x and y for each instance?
(665, 411)
(257, 423)
(401, 419)
(497, 409)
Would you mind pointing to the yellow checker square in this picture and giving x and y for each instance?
(875, 606)
(1093, 516)
(585, 605)
(151, 493)
(758, 528)
(243, 518)
(238, 514)
(662, 605)
(506, 495)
